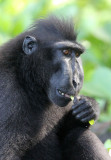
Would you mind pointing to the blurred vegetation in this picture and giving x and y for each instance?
(107, 145)
(93, 24)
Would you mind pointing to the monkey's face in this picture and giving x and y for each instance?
(67, 74)
(60, 69)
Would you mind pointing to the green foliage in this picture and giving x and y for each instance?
(99, 83)
(107, 144)
(93, 22)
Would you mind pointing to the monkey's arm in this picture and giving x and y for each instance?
(77, 141)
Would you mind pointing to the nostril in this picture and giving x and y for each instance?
(74, 83)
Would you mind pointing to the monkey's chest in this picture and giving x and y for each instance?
(47, 149)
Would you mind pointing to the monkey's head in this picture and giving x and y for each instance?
(54, 56)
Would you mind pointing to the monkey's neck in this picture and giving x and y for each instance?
(38, 98)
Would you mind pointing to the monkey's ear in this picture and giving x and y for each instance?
(29, 45)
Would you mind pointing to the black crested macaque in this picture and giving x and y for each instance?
(39, 72)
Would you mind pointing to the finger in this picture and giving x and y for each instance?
(86, 119)
(78, 104)
(78, 97)
(75, 100)
(81, 108)
(83, 115)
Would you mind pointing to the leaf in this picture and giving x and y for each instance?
(72, 98)
(91, 122)
(100, 84)
(107, 144)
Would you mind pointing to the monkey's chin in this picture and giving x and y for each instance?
(59, 100)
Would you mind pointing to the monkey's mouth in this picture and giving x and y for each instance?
(63, 94)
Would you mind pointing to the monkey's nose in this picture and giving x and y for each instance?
(74, 83)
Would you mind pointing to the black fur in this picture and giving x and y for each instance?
(36, 122)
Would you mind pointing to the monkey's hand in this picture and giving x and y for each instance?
(85, 109)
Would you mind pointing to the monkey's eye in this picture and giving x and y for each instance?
(77, 54)
(66, 51)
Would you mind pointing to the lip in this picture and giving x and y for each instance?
(64, 94)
